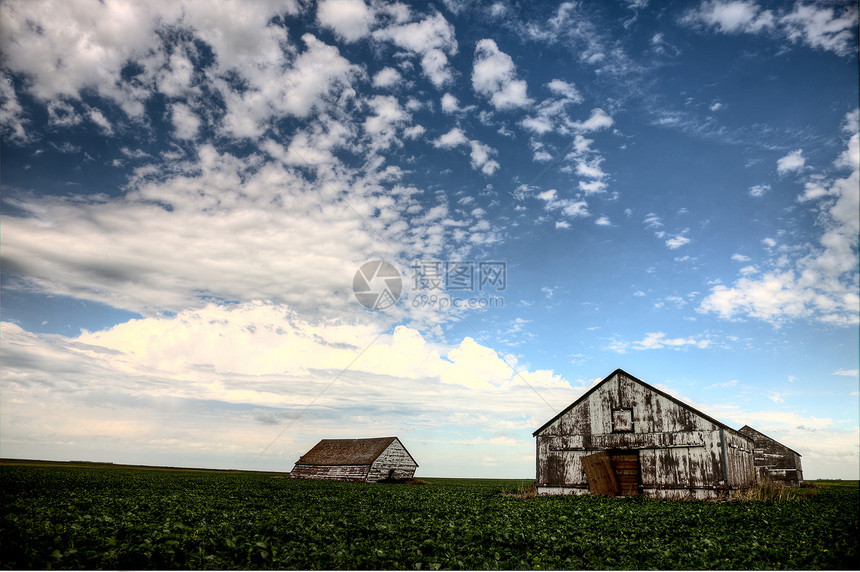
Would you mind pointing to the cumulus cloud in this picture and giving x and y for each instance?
(209, 384)
(387, 77)
(351, 20)
(732, 16)
(494, 76)
(794, 161)
(451, 139)
(433, 38)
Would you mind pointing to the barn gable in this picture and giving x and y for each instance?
(356, 460)
(649, 442)
(773, 460)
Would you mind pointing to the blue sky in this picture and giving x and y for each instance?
(189, 189)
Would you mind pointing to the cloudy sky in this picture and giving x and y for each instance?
(192, 191)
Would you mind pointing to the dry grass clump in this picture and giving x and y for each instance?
(521, 492)
(768, 490)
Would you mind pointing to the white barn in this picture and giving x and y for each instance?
(625, 437)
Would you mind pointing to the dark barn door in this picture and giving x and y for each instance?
(625, 465)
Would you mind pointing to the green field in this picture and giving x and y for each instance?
(74, 517)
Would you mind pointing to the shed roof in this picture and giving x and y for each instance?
(639, 381)
(747, 430)
(347, 451)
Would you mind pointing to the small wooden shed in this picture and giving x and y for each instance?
(773, 460)
(625, 437)
(363, 460)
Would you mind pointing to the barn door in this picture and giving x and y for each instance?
(612, 473)
(600, 475)
(625, 465)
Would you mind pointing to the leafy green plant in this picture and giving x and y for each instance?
(120, 518)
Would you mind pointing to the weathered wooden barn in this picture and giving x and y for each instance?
(625, 437)
(367, 460)
(773, 460)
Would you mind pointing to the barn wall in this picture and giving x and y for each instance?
(680, 452)
(394, 457)
(740, 459)
(331, 472)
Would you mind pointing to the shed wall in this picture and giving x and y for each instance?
(773, 460)
(331, 472)
(394, 458)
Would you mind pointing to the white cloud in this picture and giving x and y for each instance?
(732, 16)
(481, 157)
(453, 138)
(480, 153)
(758, 190)
(794, 161)
(598, 121)
(566, 90)
(494, 76)
(653, 221)
(678, 241)
(387, 77)
(99, 119)
(571, 208)
(740, 258)
(814, 25)
(351, 20)
(821, 27)
(847, 372)
(603, 221)
(185, 122)
(433, 38)
(658, 340)
(449, 104)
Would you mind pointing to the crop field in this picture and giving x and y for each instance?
(66, 517)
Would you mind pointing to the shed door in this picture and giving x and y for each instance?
(600, 475)
(625, 465)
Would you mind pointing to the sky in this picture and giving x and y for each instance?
(231, 229)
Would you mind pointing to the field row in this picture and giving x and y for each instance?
(64, 517)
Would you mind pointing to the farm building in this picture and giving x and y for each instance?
(773, 460)
(626, 437)
(366, 460)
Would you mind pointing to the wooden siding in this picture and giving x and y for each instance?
(773, 460)
(394, 462)
(680, 450)
(331, 472)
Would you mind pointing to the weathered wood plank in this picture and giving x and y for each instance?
(599, 473)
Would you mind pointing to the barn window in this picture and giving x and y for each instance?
(622, 420)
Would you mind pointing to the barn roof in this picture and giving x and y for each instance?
(639, 381)
(746, 430)
(347, 451)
